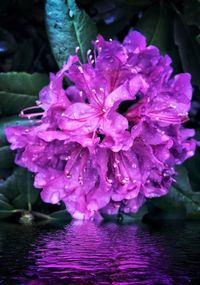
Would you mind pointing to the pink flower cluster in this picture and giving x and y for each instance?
(111, 140)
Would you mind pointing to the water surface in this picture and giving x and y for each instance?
(89, 253)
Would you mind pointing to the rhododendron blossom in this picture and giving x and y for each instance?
(112, 139)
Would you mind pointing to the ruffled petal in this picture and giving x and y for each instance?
(134, 42)
(79, 118)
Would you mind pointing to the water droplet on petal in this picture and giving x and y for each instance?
(38, 102)
(173, 106)
(110, 181)
(190, 153)
(80, 69)
(80, 180)
(115, 165)
(124, 180)
(68, 175)
(89, 51)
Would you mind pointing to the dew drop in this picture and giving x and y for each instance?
(38, 102)
(71, 14)
(110, 181)
(190, 153)
(124, 181)
(77, 49)
(173, 106)
(80, 180)
(89, 51)
(68, 175)
(80, 69)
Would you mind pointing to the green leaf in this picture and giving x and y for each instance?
(192, 12)
(193, 168)
(155, 26)
(5, 208)
(134, 217)
(10, 121)
(61, 215)
(188, 48)
(19, 90)
(19, 190)
(198, 39)
(181, 198)
(6, 157)
(68, 27)
(182, 179)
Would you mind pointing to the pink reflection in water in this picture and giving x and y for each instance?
(88, 253)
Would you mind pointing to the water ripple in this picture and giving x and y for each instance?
(89, 253)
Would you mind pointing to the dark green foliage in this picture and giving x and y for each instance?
(68, 27)
(155, 26)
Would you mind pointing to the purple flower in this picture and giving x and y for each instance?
(112, 139)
